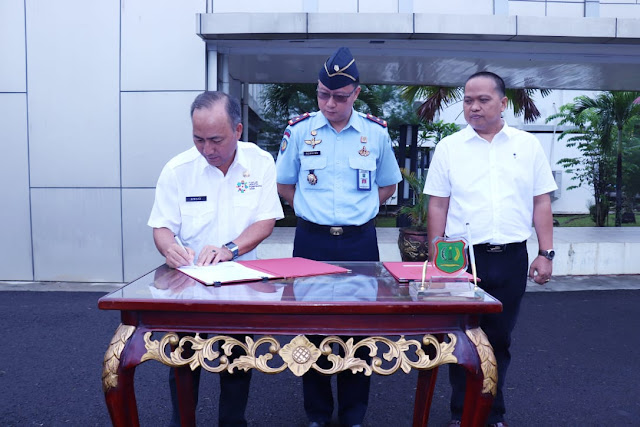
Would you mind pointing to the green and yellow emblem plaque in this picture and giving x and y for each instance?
(450, 255)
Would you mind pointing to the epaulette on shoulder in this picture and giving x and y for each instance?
(374, 119)
(299, 118)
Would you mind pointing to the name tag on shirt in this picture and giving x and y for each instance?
(364, 180)
(311, 153)
(196, 199)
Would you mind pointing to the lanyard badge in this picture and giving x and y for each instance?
(364, 180)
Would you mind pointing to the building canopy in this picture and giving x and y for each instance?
(528, 52)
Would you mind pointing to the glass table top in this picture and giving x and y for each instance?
(365, 282)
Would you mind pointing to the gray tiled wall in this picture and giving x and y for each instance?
(94, 99)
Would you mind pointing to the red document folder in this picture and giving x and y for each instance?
(293, 267)
(410, 271)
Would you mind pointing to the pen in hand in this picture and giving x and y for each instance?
(185, 249)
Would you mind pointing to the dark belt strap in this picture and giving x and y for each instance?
(488, 247)
(335, 230)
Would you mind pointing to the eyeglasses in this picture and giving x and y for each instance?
(340, 98)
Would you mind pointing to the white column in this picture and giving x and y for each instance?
(592, 8)
(405, 6)
(212, 70)
(501, 7)
(245, 112)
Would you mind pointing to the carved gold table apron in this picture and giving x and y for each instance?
(366, 303)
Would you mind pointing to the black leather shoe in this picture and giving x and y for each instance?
(500, 424)
(318, 424)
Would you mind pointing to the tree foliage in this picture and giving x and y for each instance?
(618, 113)
(595, 167)
(605, 130)
(435, 131)
(631, 165)
(417, 212)
(283, 101)
(437, 98)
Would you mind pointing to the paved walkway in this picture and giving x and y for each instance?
(574, 364)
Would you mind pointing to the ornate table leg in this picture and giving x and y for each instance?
(117, 380)
(424, 391)
(424, 396)
(186, 401)
(482, 383)
(185, 379)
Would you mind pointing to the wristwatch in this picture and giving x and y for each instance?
(548, 254)
(233, 248)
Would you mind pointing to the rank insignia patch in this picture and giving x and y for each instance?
(381, 122)
(298, 119)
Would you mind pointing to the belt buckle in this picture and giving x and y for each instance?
(495, 248)
(336, 231)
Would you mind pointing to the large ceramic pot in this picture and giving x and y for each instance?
(413, 244)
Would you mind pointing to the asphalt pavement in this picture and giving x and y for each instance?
(575, 363)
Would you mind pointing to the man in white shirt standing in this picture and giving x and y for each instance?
(497, 179)
(216, 202)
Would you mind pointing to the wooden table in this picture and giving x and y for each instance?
(367, 302)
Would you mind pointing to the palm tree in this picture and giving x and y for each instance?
(595, 164)
(296, 98)
(616, 110)
(283, 101)
(289, 99)
(438, 97)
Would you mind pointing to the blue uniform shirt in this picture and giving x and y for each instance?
(347, 167)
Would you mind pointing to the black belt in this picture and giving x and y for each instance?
(488, 247)
(336, 230)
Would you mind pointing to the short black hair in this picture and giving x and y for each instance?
(209, 98)
(500, 87)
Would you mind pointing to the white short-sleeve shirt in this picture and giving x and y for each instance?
(204, 207)
(490, 185)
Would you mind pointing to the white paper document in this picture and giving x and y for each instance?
(224, 272)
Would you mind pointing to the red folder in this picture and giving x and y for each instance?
(293, 267)
(410, 271)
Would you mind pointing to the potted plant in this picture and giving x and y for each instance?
(413, 241)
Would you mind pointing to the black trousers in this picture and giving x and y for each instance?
(504, 276)
(359, 244)
(234, 392)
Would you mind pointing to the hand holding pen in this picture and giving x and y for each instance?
(179, 256)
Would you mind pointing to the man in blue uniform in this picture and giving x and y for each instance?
(335, 168)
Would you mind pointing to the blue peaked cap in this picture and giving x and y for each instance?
(339, 70)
